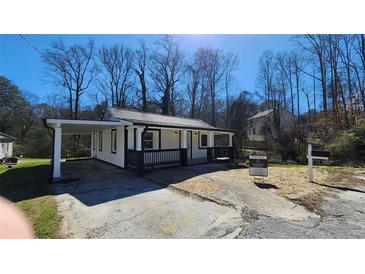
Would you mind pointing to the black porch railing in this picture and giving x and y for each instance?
(221, 152)
(139, 160)
(161, 157)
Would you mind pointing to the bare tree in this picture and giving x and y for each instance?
(285, 66)
(167, 68)
(297, 62)
(140, 64)
(194, 81)
(214, 72)
(266, 78)
(72, 68)
(230, 63)
(316, 45)
(116, 62)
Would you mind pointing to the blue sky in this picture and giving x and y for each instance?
(22, 64)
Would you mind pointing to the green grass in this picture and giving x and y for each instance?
(26, 184)
(288, 165)
(42, 212)
(337, 169)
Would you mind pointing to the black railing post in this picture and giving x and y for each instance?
(231, 154)
(140, 162)
(210, 154)
(184, 156)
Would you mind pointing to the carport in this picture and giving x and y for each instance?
(74, 127)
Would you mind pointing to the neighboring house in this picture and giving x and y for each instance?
(262, 123)
(6, 145)
(140, 141)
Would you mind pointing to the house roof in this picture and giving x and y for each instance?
(6, 138)
(261, 114)
(143, 118)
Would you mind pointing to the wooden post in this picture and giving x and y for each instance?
(210, 154)
(231, 154)
(140, 162)
(184, 156)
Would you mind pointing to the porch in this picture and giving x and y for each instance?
(187, 147)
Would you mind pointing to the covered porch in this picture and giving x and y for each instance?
(150, 147)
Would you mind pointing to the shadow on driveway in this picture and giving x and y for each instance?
(93, 182)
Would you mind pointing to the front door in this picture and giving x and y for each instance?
(190, 148)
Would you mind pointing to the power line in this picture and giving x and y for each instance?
(31, 44)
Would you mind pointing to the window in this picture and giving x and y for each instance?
(204, 140)
(114, 141)
(148, 140)
(100, 141)
(221, 140)
(253, 131)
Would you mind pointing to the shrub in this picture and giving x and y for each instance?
(349, 145)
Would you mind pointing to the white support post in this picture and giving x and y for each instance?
(310, 163)
(184, 139)
(57, 151)
(139, 139)
(230, 135)
(211, 139)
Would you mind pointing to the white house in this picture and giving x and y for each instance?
(261, 124)
(140, 141)
(6, 145)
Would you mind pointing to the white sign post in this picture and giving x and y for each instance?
(316, 154)
(310, 163)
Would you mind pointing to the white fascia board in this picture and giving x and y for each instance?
(55, 122)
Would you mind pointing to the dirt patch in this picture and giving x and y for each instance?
(292, 183)
(200, 185)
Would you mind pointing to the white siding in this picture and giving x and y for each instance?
(106, 154)
(169, 140)
(197, 153)
(6, 150)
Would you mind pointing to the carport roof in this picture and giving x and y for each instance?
(5, 138)
(70, 126)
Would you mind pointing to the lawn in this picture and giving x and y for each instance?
(26, 184)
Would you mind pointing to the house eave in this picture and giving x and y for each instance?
(183, 127)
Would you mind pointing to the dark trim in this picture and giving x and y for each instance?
(183, 127)
(91, 120)
(111, 140)
(100, 144)
(159, 137)
(7, 136)
(125, 146)
(134, 139)
(199, 140)
(191, 143)
(160, 150)
(179, 138)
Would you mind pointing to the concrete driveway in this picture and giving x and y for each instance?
(109, 202)
(202, 201)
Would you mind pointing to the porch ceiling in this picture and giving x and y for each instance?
(83, 126)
